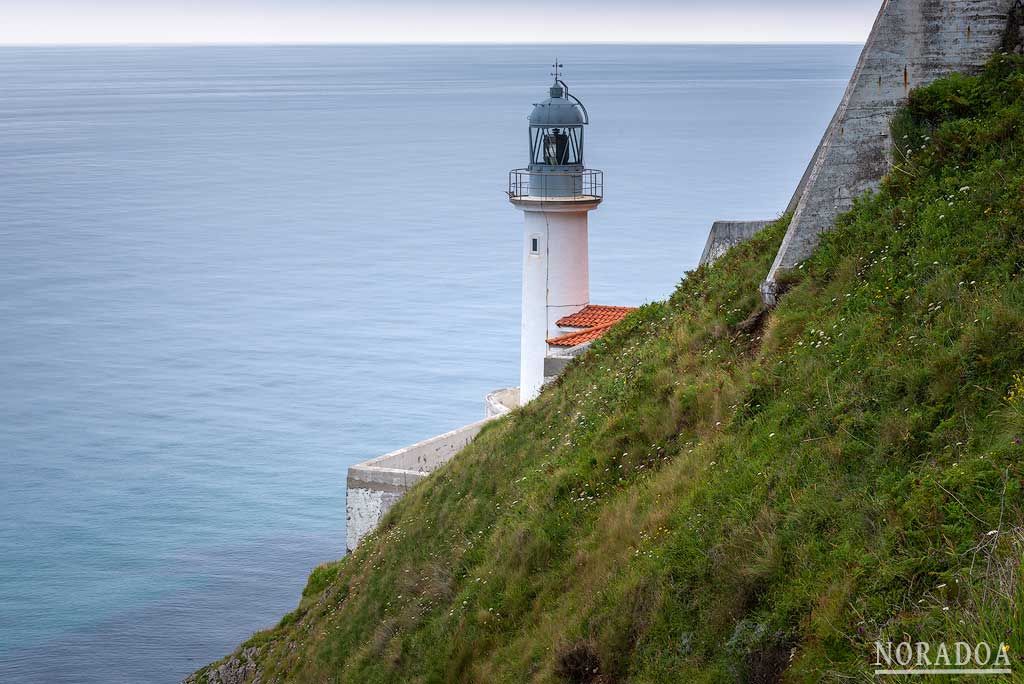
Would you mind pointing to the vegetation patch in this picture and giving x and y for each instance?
(717, 493)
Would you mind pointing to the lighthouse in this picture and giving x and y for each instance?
(556, 192)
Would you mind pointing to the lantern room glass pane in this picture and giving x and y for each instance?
(556, 146)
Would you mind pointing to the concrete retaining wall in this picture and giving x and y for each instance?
(913, 42)
(725, 235)
(374, 486)
(559, 358)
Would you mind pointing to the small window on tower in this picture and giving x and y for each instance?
(534, 245)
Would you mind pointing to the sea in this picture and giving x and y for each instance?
(229, 273)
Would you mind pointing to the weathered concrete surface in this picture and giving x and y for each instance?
(913, 42)
(374, 486)
(559, 358)
(1013, 41)
(555, 366)
(725, 235)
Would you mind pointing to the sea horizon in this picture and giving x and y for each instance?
(467, 43)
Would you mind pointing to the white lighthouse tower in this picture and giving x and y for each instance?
(556, 192)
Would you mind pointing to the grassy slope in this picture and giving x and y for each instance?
(703, 499)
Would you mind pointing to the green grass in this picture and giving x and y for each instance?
(716, 494)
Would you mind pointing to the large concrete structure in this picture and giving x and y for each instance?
(555, 192)
(724, 235)
(912, 43)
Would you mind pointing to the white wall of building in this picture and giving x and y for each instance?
(568, 267)
(556, 283)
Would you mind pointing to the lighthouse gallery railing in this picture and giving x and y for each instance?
(524, 183)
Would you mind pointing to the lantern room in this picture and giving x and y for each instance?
(556, 130)
(556, 168)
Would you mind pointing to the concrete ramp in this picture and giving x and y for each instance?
(913, 43)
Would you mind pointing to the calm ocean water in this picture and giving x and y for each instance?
(226, 274)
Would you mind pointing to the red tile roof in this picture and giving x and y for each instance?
(580, 336)
(595, 321)
(592, 316)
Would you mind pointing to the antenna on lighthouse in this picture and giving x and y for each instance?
(558, 88)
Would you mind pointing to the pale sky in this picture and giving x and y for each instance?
(442, 21)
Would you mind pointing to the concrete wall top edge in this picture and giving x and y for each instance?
(438, 440)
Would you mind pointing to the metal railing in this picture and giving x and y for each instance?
(524, 184)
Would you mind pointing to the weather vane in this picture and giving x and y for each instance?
(557, 66)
